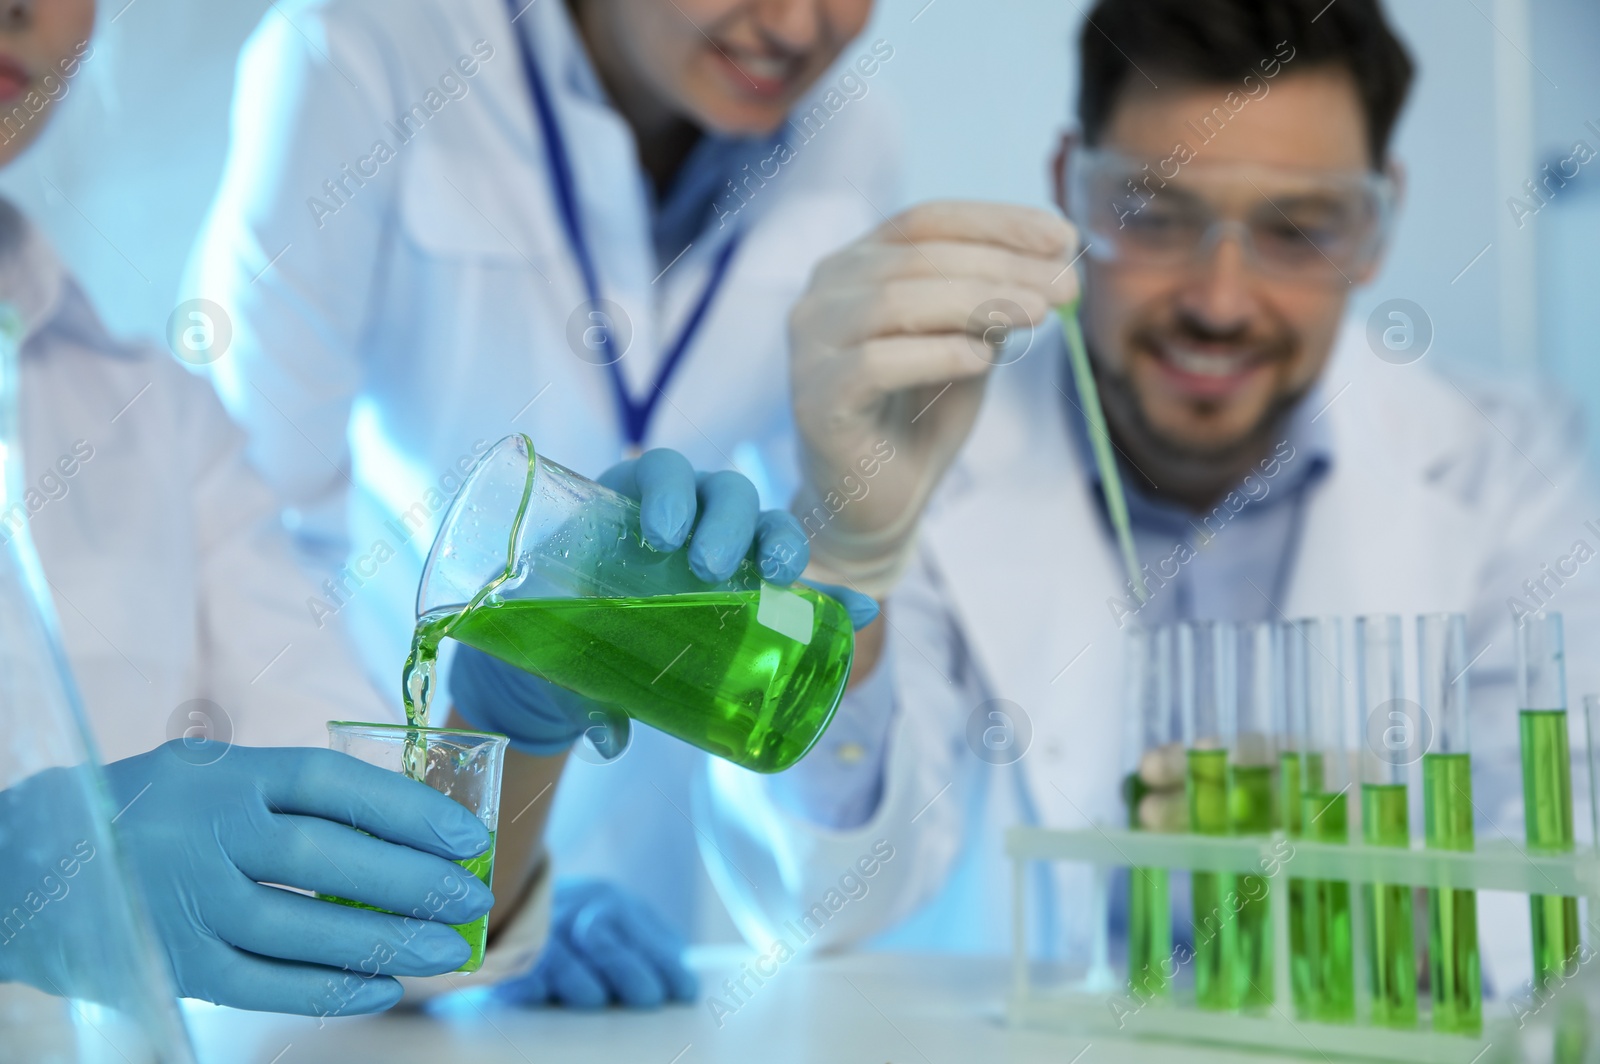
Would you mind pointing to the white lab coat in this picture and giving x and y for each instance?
(176, 588)
(1435, 502)
(375, 347)
(181, 606)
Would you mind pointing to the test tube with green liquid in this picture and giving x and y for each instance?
(1152, 731)
(1206, 664)
(1454, 968)
(1321, 959)
(1252, 749)
(1546, 783)
(1391, 735)
(1291, 729)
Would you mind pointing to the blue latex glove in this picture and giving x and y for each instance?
(606, 946)
(203, 838)
(724, 512)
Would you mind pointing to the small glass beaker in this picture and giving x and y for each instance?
(463, 765)
(549, 571)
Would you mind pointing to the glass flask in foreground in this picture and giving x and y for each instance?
(82, 978)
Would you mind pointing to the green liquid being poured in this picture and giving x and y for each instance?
(700, 667)
(1250, 813)
(1214, 922)
(1391, 942)
(477, 932)
(1547, 803)
(1325, 916)
(1453, 964)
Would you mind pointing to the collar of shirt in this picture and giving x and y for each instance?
(1299, 461)
(31, 276)
(683, 210)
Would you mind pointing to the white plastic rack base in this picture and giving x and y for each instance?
(1493, 866)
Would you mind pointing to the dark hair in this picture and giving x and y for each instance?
(1218, 41)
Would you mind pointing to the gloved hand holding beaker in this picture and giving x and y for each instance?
(892, 343)
(206, 825)
(719, 510)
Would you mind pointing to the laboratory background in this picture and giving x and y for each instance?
(1504, 88)
(1492, 261)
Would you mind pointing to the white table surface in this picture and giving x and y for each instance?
(874, 1008)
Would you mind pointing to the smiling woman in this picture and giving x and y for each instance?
(36, 67)
(727, 66)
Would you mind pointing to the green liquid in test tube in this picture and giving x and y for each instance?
(1388, 750)
(1292, 779)
(1152, 730)
(1454, 967)
(1252, 747)
(1322, 965)
(1546, 784)
(1290, 789)
(1206, 682)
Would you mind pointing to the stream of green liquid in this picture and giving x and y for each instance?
(1214, 922)
(477, 932)
(1325, 915)
(1453, 964)
(1547, 805)
(1391, 941)
(1250, 813)
(700, 666)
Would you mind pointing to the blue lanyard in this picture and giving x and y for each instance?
(635, 416)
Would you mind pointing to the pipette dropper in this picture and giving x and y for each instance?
(1100, 440)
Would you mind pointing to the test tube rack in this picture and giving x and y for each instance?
(1088, 1009)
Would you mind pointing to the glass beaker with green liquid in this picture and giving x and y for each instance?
(463, 765)
(1252, 751)
(1455, 972)
(1391, 736)
(1546, 783)
(548, 571)
(1206, 652)
(1322, 966)
(1152, 720)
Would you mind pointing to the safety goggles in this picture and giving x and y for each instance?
(1311, 226)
